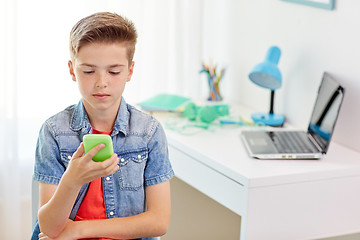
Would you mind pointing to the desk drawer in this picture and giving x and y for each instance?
(212, 183)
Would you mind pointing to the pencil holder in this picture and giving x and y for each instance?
(214, 78)
(214, 90)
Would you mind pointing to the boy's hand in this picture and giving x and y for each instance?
(82, 169)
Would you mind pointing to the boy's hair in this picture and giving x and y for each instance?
(103, 27)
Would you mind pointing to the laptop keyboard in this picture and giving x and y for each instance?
(291, 142)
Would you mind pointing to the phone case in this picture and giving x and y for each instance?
(92, 140)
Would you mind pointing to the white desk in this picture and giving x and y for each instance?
(276, 199)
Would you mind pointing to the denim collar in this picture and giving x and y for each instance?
(80, 120)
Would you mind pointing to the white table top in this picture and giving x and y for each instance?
(223, 151)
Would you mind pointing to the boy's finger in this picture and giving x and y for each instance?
(79, 152)
(107, 163)
(95, 150)
(116, 166)
(111, 165)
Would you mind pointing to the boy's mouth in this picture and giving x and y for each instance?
(101, 96)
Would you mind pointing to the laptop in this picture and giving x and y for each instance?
(312, 144)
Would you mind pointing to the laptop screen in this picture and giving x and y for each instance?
(326, 111)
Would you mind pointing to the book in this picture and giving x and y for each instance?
(164, 102)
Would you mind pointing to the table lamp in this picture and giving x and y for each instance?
(267, 75)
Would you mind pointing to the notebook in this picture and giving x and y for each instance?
(164, 102)
(312, 144)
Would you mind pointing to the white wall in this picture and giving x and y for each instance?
(312, 40)
(174, 37)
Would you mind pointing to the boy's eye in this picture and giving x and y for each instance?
(88, 72)
(114, 73)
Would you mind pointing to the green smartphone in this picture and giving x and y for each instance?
(92, 140)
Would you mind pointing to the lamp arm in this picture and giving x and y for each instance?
(272, 97)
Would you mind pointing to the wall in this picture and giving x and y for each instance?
(312, 40)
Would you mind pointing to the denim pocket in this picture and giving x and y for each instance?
(66, 157)
(132, 166)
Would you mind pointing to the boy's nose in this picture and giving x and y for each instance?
(101, 81)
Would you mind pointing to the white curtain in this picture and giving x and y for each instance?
(35, 83)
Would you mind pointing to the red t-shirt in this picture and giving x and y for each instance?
(93, 206)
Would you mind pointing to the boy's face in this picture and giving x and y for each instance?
(101, 71)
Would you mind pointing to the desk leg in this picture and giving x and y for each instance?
(243, 225)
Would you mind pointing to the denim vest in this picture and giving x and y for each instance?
(138, 139)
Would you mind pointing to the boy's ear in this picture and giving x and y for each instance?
(131, 70)
(71, 70)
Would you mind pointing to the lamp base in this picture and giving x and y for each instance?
(269, 119)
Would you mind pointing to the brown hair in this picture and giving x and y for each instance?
(103, 27)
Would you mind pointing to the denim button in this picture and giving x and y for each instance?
(107, 178)
(111, 213)
(122, 160)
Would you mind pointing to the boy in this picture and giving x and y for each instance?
(128, 195)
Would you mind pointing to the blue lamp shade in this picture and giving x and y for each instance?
(267, 75)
